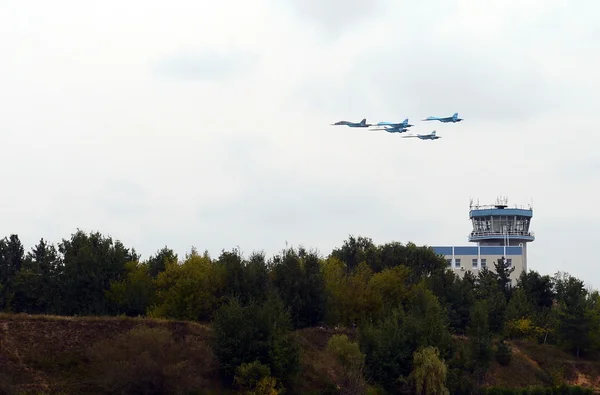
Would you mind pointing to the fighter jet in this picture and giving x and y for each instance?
(430, 136)
(454, 118)
(402, 125)
(361, 124)
(392, 129)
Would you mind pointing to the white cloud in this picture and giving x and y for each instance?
(240, 151)
(210, 66)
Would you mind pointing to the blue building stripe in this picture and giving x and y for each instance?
(465, 250)
(473, 250)
(500, 211)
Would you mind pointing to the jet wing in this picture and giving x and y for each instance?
(395, 124)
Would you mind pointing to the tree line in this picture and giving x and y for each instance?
(401, 301)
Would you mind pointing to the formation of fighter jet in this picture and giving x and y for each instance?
(402, 127)
(454, 118)
(430, 136)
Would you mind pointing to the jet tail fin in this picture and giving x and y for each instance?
(364, 121)
(455, 115)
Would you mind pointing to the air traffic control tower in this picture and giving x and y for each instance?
(499, 231)
(501, 225)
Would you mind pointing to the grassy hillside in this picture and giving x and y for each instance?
(543, 364)
(91, 355)
(74, 355)
(88, 355)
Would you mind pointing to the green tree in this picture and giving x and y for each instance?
(423, 262)
(503, 272)
(246, 280)
(257, 275)
(489, 288)
(460, 379)
(255, 332)
(576, 320)
(387, 350)
(356, 250)
(456, 295)
(426, 322)
(519, 319)
(388, 290)
(134, 294)
(519, 306)
(480, 339)
(351, 359)
(36, 285)
(389, 344)
(189, 291)
(313, 291)
(429, 372)
(538, 289)
(391, 255)
(349, 299)
(235, 282)
(298, 279)
(541, 294)
(255, 379)
(90, 263)
(334, 276)
(11, 261)
(44, 257)
(158, 262)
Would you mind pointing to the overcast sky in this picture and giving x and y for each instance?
(207, 123)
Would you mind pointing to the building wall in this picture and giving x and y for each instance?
(472, 258)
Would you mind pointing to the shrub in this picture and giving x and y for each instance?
(563, 389)
(503, 354)
(352, 360)
(255, 379)
(524, 328)
(149, 361)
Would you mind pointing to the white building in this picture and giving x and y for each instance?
(499, 231)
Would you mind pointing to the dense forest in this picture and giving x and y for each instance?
(403, 313)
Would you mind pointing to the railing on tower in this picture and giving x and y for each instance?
(512, 233)
(500, 202)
